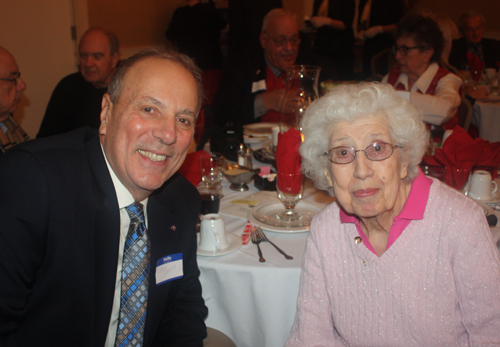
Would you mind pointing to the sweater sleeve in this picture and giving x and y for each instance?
(313, 325)
(475, 264)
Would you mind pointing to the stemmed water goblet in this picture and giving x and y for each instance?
(290, 188)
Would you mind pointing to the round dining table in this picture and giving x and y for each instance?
(486, 116)
(254, 303)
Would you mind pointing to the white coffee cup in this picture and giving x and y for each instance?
(482, 186)
(212, 233)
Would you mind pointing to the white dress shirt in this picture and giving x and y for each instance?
(435, 109)
(125, 198)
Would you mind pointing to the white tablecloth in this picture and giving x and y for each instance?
(255, 303)
(486, 116)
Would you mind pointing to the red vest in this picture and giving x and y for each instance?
(272, 83)
(392, 79)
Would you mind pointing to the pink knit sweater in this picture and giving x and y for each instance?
(437, 285)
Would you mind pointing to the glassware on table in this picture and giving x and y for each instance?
(301, 89)
(210, 199)
(212, 169)
(476, 74)
(492, 76)
(289, 188)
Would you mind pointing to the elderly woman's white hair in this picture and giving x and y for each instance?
(352, 102)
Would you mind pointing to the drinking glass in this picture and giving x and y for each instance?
(301, 89)
(211, 169)
(289, 188)
(476, 74)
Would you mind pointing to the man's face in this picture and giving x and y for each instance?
(10, 92)
(147, 133)
(473, 30)
(97, 65)
(281, 42)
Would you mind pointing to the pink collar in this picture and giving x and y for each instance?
(413, 209)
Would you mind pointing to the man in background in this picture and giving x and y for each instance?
(98, 237)
(471, 25)
(76, 100)
(252, 85)
(11, 86)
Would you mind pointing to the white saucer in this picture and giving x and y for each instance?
(234, 245)
(495, 198)
(259, 128)
(264, 215)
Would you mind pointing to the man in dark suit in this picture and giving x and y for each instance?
(471, 25)
(71, 212)
(252, 84)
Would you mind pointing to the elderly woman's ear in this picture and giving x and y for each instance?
(328, 176)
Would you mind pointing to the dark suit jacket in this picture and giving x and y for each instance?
(59, 249)
(234, 99)
(458, 54)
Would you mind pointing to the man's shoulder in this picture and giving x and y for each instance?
(76, 139)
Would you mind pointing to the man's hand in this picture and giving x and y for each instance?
(275, 100)
(371, 32)
(320, 21)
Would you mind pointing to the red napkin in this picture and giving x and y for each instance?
(190, 169)
(288, 162)
(460, 154)
(475, 64)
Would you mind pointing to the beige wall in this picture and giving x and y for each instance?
(38, 34)
(454, 8)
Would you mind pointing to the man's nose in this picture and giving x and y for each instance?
(166, 131)
(21, 85)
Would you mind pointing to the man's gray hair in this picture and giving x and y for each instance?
(275, 13)
(114, 44)
(116, 84)
(348, 103)
(468, 15)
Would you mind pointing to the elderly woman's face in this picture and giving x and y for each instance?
(363, 187)
(415, 61)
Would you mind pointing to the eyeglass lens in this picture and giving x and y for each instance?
(282, 41)
(376, 151)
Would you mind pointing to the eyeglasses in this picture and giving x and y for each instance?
(377, 151)
(403, 49)
(283, 41)
(15, 79)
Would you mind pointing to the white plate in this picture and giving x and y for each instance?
(234, 245)
(259, 128)
(494, 195)
(270, 209)
(256, 139)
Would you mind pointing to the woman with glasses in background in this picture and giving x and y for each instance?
(400, 259)
(418, 77)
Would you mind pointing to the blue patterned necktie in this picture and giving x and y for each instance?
(134, 294)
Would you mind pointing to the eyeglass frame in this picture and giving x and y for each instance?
(15, 79)
(295, 42)
(362, 150)
(404, 50)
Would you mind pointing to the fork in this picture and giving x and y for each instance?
(256, 241)
(261, 237)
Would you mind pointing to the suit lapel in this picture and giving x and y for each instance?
(163, 231)
(106, 240)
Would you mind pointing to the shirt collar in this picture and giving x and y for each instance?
(277, 72)
(423, 81)
(415, 204)
(123, 195)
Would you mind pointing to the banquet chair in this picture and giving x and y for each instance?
(465, 113)
(216, 338)
(381, 63)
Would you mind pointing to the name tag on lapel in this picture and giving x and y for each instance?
(169, 268)
(259, 86)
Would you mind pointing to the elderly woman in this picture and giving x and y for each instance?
(400, 259)
(433, 90)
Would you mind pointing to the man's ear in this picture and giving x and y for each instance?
(106, 110)
(115, 59)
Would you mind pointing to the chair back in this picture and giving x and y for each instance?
(381, 63)
(465, 113)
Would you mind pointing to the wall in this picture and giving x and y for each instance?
(38, 34)
(454, 8)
